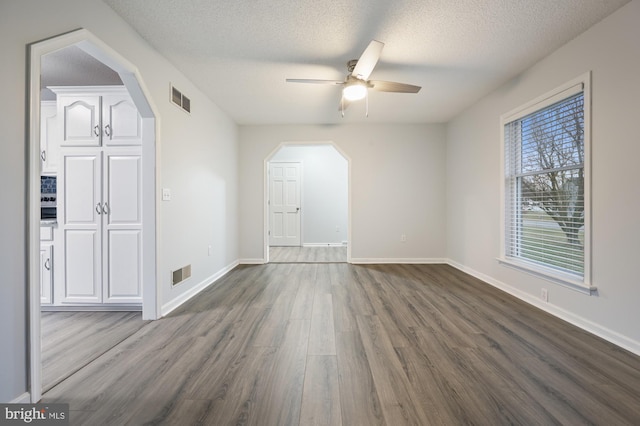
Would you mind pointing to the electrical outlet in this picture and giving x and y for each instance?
(210, 250)
(166, 194)
(403, 238)
(544, 295)
(337, 229)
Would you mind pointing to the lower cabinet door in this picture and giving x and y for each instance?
(82, 272)
(123, 270)
(46, 273)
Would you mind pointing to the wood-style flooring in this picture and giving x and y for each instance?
(71, 340)
(315, 254)
(341, 344)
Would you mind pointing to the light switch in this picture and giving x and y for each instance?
(166, 194)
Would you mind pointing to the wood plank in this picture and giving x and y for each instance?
(322, 338)
(358, 395)
(321, 394)
(281, 389)
(303, 303)
(392, 386)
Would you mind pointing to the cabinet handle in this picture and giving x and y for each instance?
(96, 130)
(98, 209)
(106, 209)
(43, 155)
(47, 265)
(107, 130)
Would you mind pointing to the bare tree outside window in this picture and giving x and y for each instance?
(547, 185)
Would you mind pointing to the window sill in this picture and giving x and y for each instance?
(549, 275)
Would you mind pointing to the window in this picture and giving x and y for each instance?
(546, 185)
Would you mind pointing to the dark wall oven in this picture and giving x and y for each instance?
(48, 209)
(48, 191)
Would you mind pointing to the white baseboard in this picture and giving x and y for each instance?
(583, 323)
(251, 262)
(323, 245)
(179, 300)
(91, 308)
(25, 398)
(366, 261)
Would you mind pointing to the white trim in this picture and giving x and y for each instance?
(186, 296)
(580, 322)
(549, 274)
(132, 80)
(369, 261)
(251, 261)
(91, 308)
(324, 244)
(580, 83)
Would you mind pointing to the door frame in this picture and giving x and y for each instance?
(133, 82)
(266, 210)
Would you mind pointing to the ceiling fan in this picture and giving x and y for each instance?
(356, 85)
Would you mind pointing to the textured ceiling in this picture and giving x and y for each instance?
(239, 52)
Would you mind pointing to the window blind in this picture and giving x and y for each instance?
(544, 184)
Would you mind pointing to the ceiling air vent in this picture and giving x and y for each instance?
(178, 98)
(180, 275)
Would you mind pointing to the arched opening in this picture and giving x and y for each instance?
(307, 203)
(82, 42)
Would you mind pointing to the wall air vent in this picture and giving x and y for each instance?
(179, 99)
(180, 275)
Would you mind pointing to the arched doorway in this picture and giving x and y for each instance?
(127, 72)
(317, 227)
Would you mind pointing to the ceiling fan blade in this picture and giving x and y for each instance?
(368, 60)
(392, 86)
(312, 81)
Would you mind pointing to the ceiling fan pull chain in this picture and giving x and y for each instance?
(366, 100)
(342, 106)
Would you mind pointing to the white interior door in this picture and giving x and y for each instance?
(284, 204)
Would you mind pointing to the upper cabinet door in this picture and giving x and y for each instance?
(80, 120)
(98, 116)
(121, 123)
(49, 138)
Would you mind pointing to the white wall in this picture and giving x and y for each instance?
(197, 159)
(324, 191)
(397, 186)
(610, 50)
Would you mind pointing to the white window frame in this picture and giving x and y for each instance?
(581, 83)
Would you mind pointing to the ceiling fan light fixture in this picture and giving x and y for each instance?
(354, 92)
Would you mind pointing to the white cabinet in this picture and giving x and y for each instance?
(49, 138)
(46, 272)
(100, 216)
(97, 116)
(46, 265)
